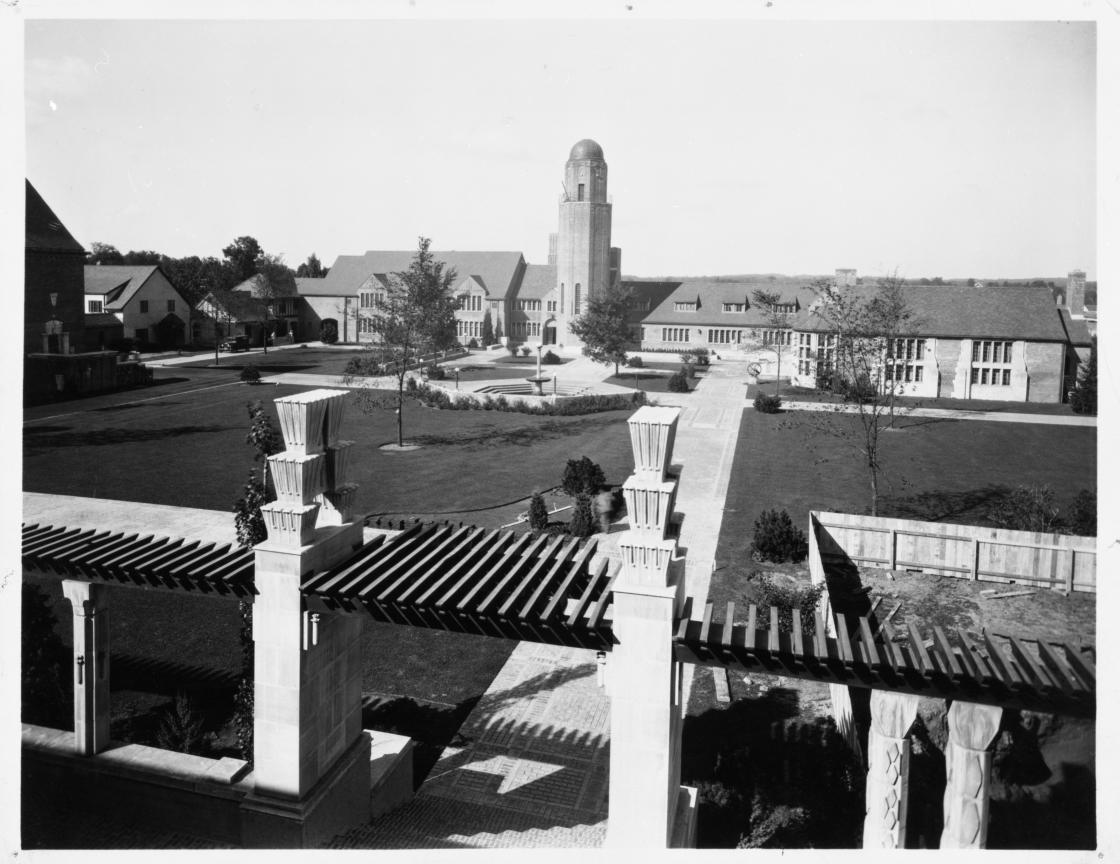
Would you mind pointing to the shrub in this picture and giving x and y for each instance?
(45, 688)
(582, 477)
(786, 598)
(687, 357)
(250, 374)
(551, 359)
(1026, 508)
(538, 513)
(1083, 514)
(1083, 399)
(767, 404)
(678, 383)
(777, 539)
(473, 343)
(703, 356)
(181, 728)
(524, 350)
(363, 366)
(436, 372)
(501, 403)
(583, 517)
(635, 362)
(328, 331)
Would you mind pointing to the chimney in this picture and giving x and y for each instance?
(552, 250)
(1075, 293)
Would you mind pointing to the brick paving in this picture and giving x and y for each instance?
(531, 773)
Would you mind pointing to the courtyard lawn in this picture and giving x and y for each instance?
(803, 394)
(186, 446)
(651, 382)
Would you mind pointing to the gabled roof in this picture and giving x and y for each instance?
(711, 294)
(1076, 328)
(309, 284)
(237, 305)
(44, 231)
(538, 281)
(960, 312)
(497, 270)
(117, 282)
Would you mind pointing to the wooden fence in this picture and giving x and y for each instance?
(1058, 561)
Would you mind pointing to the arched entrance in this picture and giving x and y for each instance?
(548, 332)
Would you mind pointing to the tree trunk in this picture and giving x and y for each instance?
(874, 491)
(778, 374)
(400, 414)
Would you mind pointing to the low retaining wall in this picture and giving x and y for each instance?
(1058, 561)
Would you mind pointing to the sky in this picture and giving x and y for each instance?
(949, 148)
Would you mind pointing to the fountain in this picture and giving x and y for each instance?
(539, 380)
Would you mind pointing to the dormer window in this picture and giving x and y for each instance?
(733, 307)
(684, 306)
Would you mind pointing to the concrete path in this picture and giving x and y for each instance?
(955, 414)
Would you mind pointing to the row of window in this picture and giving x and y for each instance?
(468, 329)
(991, 352)
(903, 372)
(908, 349)
(777, 337)
(985, 375)
(529, 305)
(370, 299)
(674, 334)
(97, 306)
(724, 337)
(526, 328)
(470, 302)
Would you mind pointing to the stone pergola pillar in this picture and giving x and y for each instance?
(968, 773)
(645, 681)
(91, 665)
(888, 772)
(310, 756)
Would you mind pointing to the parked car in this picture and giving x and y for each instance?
(234, 343)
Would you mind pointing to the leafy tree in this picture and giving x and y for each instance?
(487, 330)
(603, 328)
(312, 268)
(498, 330)
(776, 326)
(247, 511)
(274, 280)
(415, 315)
(103, 253)
(538, 513)
(242, 256)
(1083, 399)
(777, 539)
(865, 327)
(582, 477)
(678, 381)
(583, 517)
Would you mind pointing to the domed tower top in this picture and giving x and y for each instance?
(586, 149)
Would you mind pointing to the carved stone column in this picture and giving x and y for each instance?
(91, 665)
(968, 771)
(888, 754)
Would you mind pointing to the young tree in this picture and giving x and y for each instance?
(776, 331)
(1083, 400)
(538, 513)
(866, 327)
(498, 330)
(487, 330)
(103, 253)
(312, 268)
(583, 517)
(274, 281)
(582, 477)
(603, 329)
(242, 255)
(416, 315)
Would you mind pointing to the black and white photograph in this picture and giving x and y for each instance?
(616, 427)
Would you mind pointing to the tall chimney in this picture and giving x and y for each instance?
(1075, 293)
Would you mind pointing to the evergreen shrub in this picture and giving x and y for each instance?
(777, 539)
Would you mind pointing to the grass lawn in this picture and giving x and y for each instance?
(801, 394)
(651, 382)
(935, 470)
(489, 372)
(186, 446)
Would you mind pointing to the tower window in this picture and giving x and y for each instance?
(579, 193)
(576, 300)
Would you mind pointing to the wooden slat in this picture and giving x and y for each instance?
(427, 567)
(1000, 661)
(556, 602)
(918, 649)
(893, 655)
(532, 579)
(728, 624)
(706, 622)
(44, 544)
(49, 547)
(111, 542)
(798, 642)
(1026, 663)
(950, 662)
(752, 627)
(330, 581)
(867, 643)
(772, 642)
(153, 551)
(354, 574)
(480, 544)
(549, 580)
(685, 617)
(978, 667)
(400, 552)
(1056, 668)
(595, 619)
(595, 582)
(118, 554)
(820, 631)
(497, 583)
(506, 543)
(842, 640)
(1082, 665)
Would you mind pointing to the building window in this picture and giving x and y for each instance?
(990, 359)
(733, 307)
(724, 337)
(529, 305)
(170, 305)
(579, 193)
(777, 337)
(143, 309)
(95, 306)
(674, 334)
(470, 303)
(684, 306)
(903, 360)
(551, 305)
(577, 298)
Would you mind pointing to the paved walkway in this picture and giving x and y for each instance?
(954, 414)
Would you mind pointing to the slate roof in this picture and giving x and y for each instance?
(497, 270)
(1076, 328)
(309, 284)
(44, 232)
(539, 280)
(711, 294)
(241, 307)
(957, 311)
(118, 282)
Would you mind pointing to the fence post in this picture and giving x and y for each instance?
(1069, 575)
(894, 549)
(975, 558)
